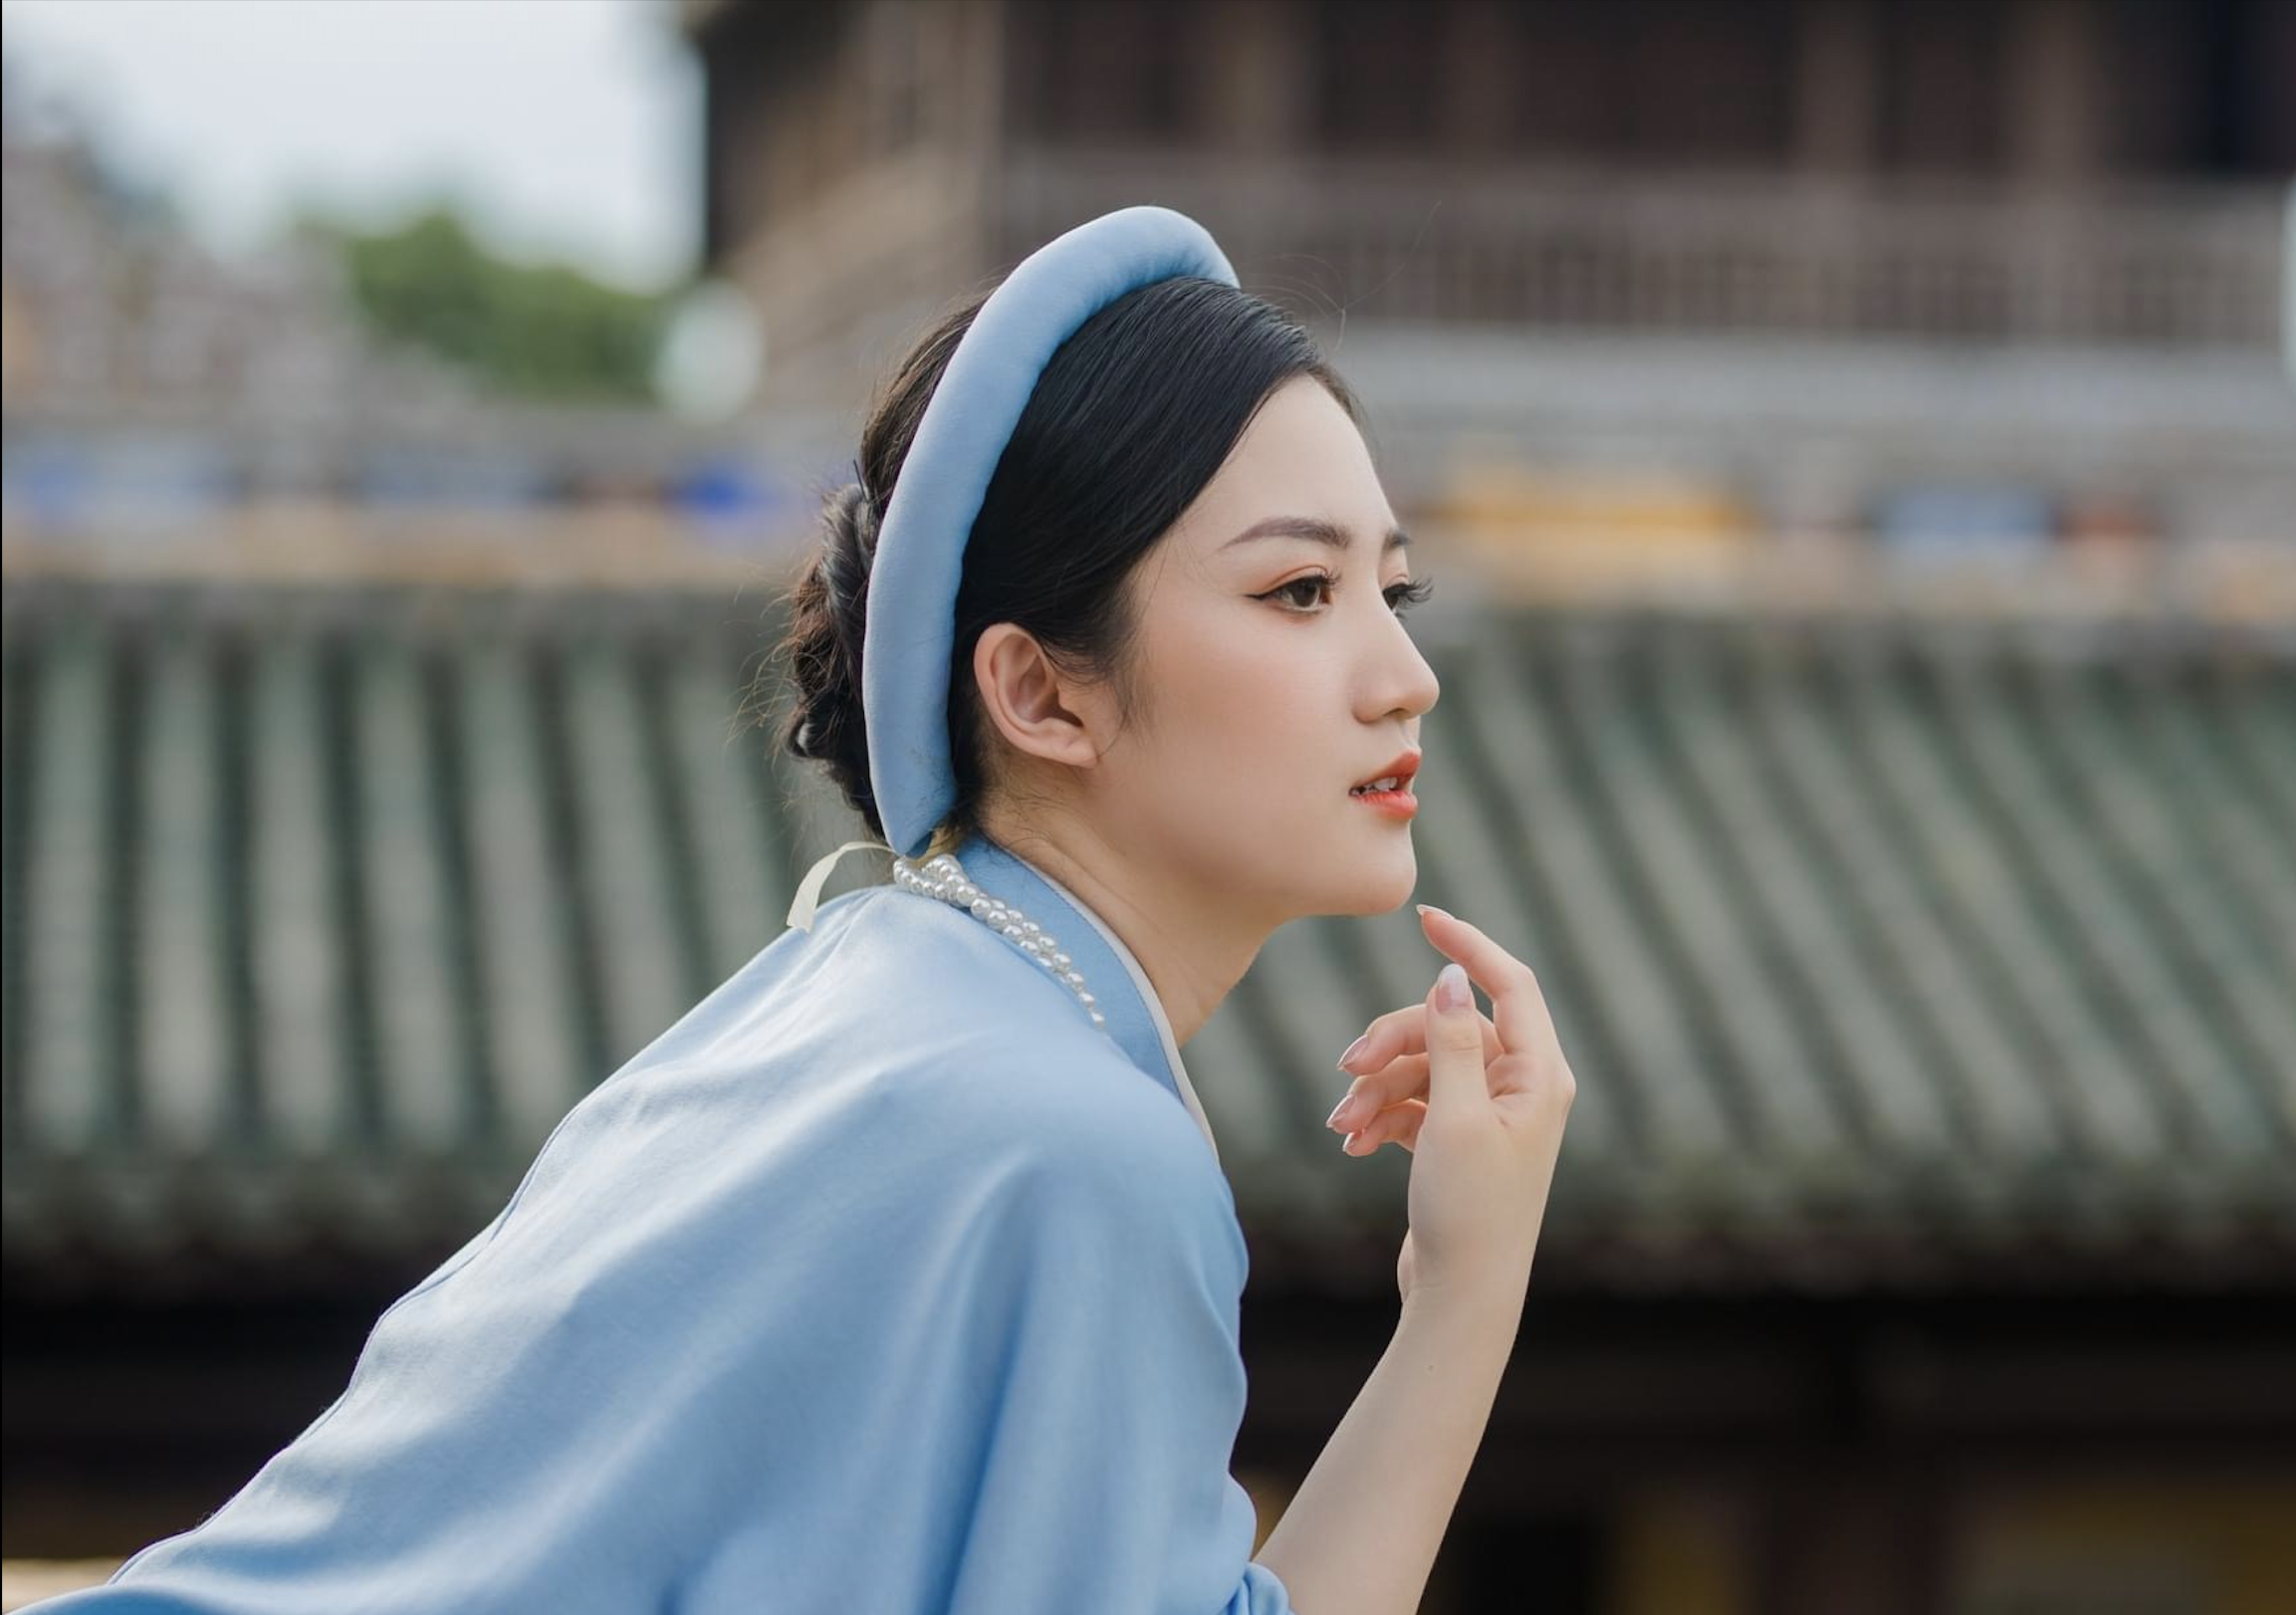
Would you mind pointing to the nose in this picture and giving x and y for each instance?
(1400, 681)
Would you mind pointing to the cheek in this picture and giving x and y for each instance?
(1252, 724)
(1235, 669)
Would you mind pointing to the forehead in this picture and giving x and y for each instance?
(1302, 456)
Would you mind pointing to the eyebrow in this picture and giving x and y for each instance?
(1328, 533)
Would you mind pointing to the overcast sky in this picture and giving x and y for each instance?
(571, 126)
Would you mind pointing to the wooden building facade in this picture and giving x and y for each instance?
(2072, 172)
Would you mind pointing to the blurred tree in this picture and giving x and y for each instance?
(539, 330)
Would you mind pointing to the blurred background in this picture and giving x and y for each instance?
(1856, 445)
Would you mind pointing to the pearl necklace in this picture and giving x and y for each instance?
(944, 878)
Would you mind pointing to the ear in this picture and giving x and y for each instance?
(1038, 711)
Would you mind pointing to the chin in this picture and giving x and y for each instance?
(1381, 885)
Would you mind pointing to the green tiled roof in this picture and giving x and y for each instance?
(1873, 944)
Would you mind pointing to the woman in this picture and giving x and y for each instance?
(900, 1274)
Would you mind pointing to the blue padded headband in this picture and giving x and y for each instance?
(911, 621)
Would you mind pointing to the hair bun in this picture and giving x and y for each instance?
(849, 548)
(827, 622)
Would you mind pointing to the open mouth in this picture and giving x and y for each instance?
(1392, 781)
(1395, 802)
(1389, 792)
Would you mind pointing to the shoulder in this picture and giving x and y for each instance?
(991, 1048)
(1066, 1106)
(913, 1051)
(1022, 1095)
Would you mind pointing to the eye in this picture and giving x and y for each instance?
(1400, 597)
(1315, 582)
(1403, 597)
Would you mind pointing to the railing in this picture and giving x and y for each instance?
(2174, 266)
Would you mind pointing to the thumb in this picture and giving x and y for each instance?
(1455, 1071)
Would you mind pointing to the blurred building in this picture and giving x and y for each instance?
(1683, 279)
(132, 348)
(114, 310)
(163, 407)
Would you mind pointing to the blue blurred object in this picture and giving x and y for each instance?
(123, 484)
(717, 488)
(459, 480)
(729, 502)
(1946, 520)
(45, 482)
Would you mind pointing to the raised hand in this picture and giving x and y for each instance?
(1479, 1101)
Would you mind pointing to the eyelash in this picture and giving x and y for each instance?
(1400, 597)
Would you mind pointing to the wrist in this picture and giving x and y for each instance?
(1486, 1300)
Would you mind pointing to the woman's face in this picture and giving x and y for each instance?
(1273, 675)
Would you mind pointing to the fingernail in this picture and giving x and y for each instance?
(1430, 908)
(1354, 1049)
(1343, 1143)
(1450, 989)
(1347, 1100)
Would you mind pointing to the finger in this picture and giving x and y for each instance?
(1456, 1073)
(1391, 1063)
(1404, 1032)
(1397, 1124)
(1518, 1005)
(1400, 1080)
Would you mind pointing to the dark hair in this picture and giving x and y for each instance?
(1135, 413)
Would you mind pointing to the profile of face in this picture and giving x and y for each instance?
(1272, 676)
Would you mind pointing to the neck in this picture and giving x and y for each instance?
(1192, 950)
